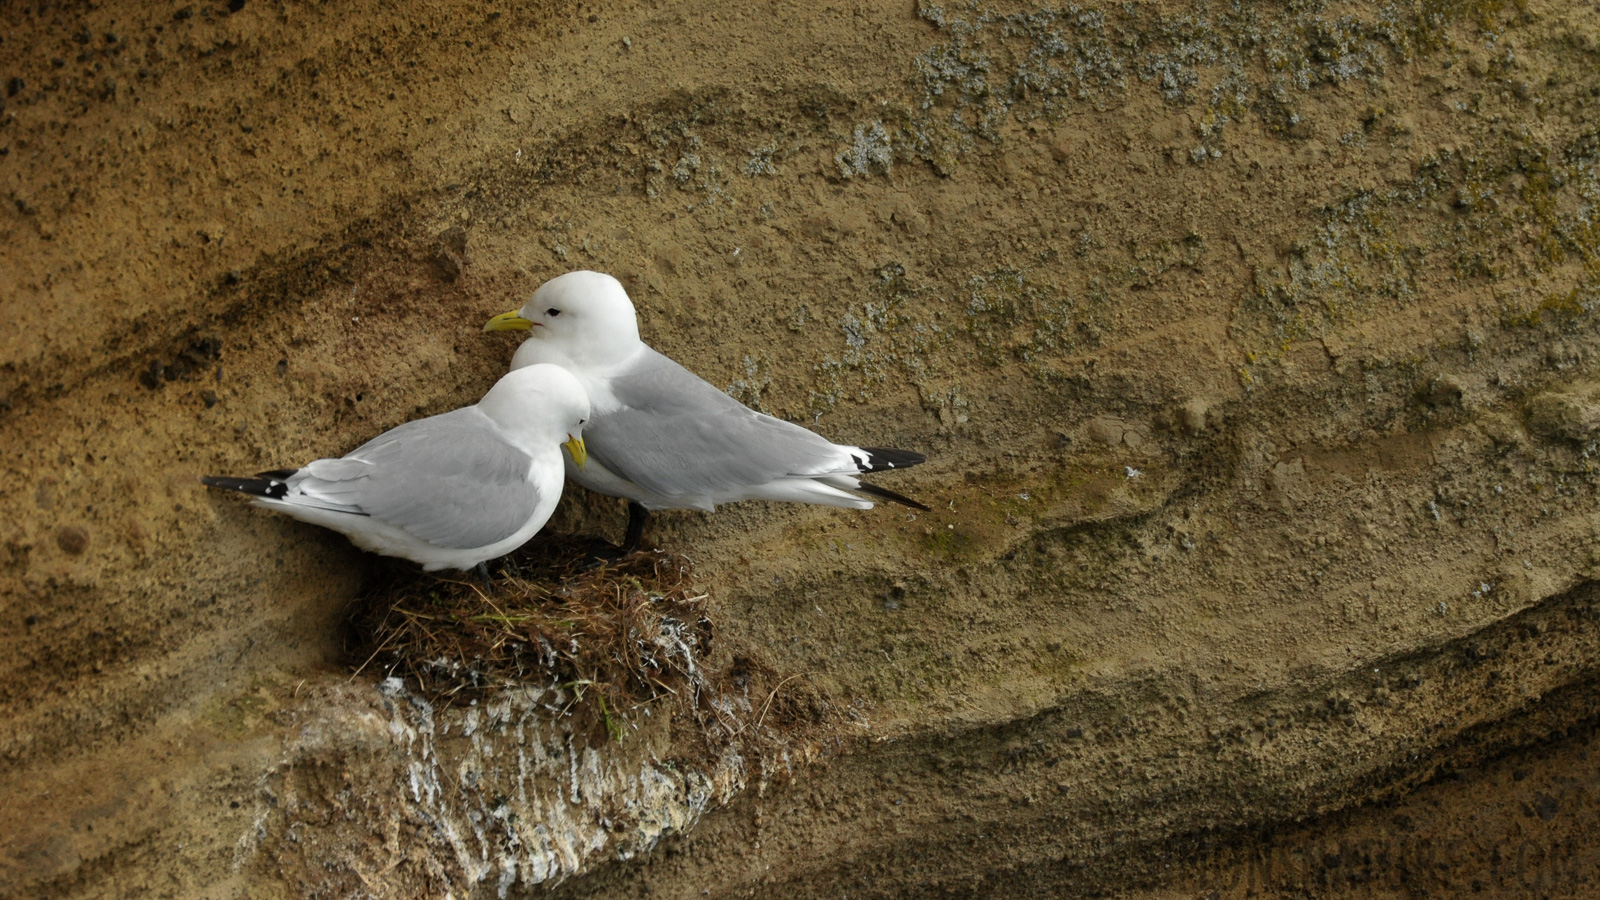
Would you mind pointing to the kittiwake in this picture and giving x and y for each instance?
(662, 437)
(448, 491)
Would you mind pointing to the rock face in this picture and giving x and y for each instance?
(1253, 349)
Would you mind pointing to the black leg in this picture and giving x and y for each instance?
(637, 516)
(483, 572)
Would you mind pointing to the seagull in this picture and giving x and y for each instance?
(449, 491)
(664, 438)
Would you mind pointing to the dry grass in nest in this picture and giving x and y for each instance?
(604, 638)
(604, 641)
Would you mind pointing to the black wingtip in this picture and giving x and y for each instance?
(277, 474)
(881, 459)
(886, 494)
(271, 488)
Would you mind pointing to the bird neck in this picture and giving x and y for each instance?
(587, 357)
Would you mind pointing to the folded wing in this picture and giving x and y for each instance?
(450, 480)
(675, 434)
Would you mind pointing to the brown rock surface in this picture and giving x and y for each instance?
(1253, 350)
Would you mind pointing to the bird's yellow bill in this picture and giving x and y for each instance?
(511, 321)
(580, 453)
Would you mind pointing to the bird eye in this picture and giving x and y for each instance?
(552, 312)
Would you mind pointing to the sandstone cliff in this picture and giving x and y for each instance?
(1253, 346)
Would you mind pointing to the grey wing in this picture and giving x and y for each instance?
(676, 434)
(450, 480)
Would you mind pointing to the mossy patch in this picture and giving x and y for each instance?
(1517, 215)
(238, 715)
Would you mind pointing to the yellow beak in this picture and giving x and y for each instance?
(511, 321)
(580, 453)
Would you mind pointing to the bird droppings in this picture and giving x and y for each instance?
(568, 713)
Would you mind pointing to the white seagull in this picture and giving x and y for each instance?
(661, 436)
(449, 491)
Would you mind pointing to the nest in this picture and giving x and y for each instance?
(599, 642)
(603, 638)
